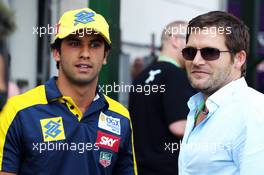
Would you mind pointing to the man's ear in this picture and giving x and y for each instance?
(240, 59)
(105, 57)
(56, 55)
(174, 41)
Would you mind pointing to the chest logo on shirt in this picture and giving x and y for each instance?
(105, 158)
(52, 129)
(152, 74)
(109, 123)
(108, 141)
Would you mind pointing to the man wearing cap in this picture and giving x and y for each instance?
(66, 126)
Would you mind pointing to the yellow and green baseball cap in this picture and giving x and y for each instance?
(85, 18)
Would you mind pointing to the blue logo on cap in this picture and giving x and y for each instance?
(83, 17)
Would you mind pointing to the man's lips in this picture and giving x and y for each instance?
(84, 66)
(200, 72)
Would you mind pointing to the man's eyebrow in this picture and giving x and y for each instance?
(71, 38)
(96, 40)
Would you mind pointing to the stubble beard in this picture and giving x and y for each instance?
(78, 81)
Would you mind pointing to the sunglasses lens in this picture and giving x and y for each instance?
(189, 53)
(210, 53)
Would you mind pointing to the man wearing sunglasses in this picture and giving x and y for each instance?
(225, 125)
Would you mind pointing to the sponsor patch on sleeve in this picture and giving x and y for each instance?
(109, 123)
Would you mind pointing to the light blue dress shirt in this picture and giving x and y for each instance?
(230, 141)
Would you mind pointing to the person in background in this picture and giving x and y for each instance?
(7, 87)
(7, 26)
(137, 67)
(159, 111)
(3, 82)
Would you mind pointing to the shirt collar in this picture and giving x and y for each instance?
(195, 100)
(168, 60)
(219, 97)
(53, 92)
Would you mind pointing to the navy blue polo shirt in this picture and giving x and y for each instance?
(44, 132)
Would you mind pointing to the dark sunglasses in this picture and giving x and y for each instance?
(208, 53)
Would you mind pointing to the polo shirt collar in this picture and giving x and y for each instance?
(53, 92)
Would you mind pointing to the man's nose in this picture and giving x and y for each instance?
(85, 52)
(198, 59)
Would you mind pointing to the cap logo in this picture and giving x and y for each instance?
(83, 17)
